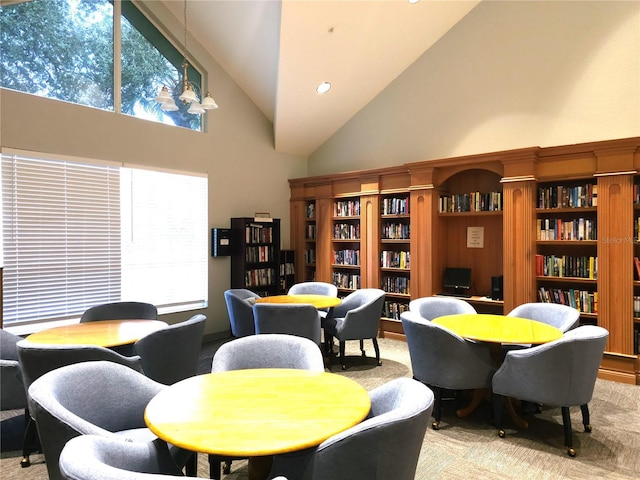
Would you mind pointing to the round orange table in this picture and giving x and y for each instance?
(103, 333)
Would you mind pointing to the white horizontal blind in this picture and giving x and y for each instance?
(61, 237)
(77, 235)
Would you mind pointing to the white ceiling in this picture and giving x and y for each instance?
(279, 51)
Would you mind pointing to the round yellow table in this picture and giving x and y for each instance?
(103, 333)
(318, 301)
(500, 329)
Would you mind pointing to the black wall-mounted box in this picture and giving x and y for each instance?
(220, 242)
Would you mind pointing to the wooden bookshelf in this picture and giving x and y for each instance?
(511, 241)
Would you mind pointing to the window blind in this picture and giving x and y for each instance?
(79, 234)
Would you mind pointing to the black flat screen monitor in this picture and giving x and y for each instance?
(458, 279)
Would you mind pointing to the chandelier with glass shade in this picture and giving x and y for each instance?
(188, 89)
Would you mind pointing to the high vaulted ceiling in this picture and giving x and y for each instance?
(279, 51)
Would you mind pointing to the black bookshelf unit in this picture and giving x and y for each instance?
(255, 255)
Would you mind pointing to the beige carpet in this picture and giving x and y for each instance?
(463, 448)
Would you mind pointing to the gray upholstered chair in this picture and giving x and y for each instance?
(356, 318)
(38, 359)
(434, 307)
(120, 311)
(100, 398)
(92, 457)
(561, 373)
(13, 395)
(386, 445)
(557, 315)
(240, 308)
(270, 350)
(171, 354)
(12, 391)
(444, 360)
(315, 288)
(299, 319)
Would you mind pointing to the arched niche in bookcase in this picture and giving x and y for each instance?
(469, 227)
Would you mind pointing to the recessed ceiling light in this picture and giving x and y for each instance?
(414, 1)
(324, 87)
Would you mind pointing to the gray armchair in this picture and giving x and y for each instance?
(38, 359)
(434, 307)
(385, 445)
(445, 361)
(12, 391)
(299, 319)
(94, 398)
(356, 318)
(171, 354)
(315, 288)
(120, 311)
(240, 308)
(560, 316)
(263, 351)
(561, 373)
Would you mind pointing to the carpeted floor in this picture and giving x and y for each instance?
(463, 448)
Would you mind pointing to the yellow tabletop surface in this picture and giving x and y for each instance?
(318, 301)
(103, 333)
(256, 412)
(499, 328)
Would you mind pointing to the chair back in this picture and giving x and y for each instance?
(120, 311)
(442, 358)
(93, 457)
(268, 351)
(12, 391)
(557, 315)
(314, 288)
(434, 307)
(385, 445)
(240, 308)
(37, 359)
(172, 353)
(299, 319)
(100, 398)
(561, 373)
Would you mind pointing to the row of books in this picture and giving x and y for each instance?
(310, 256)
(471, 202)
(347, 281)
(394, 309)
(346, 257)
(582, 300)
(560, 196)
(259, 277)
(395, 231)
(346, 231)
(393, 284)
(311, 210)
(287, 269)
(263, 253)
(566, 266)
(636, 230)
(258, 234)
(310, 232)
(346, 208)
(395, 206)
(636, 340)
(559, 229)
(392, 259)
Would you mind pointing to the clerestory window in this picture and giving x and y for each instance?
(65, 49)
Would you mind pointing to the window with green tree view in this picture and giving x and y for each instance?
(64, 49)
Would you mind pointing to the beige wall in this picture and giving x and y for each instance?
(246, 175)
(509, 75)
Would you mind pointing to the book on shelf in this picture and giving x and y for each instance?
(636, 262)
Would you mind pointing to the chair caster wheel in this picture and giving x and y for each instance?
(435, 425)
(501, 433)
(587, 428)
(363, 354)
(25, 462)
(226, 468)
(379, 363)
(344, 367)
(571, 452)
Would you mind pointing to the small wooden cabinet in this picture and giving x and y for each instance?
(255, 255)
